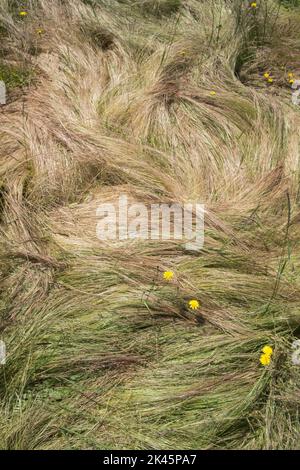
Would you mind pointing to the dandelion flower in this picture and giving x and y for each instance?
(265, 359)
(267, 350)
(291, 81)
(23, 13)
(212, 93)
(266, 75)
(194, 304)
(253, 5)
(168, 275)
(270, 80)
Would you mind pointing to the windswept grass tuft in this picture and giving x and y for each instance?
(165, 101)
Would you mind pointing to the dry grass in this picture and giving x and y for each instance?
(113, 98)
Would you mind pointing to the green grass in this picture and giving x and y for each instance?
(290, 3)
(15, 76)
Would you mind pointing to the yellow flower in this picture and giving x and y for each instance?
(212, 93)
(270, 80)
(266, 75)
(194, 304)
(267, 350)
(23, 13)
(168, 275)
(39, 31)
(291, 81)
(265, 359)
(253, 5)
(290, 75)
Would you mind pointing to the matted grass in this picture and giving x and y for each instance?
(102, 353)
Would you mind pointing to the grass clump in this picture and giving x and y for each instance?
(160, 7)
(143, 344)
(15, 76)
(290, 3)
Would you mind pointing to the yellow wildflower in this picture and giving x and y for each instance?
(266, 75)
(194, 304)
(291, 81)
(168, 275)
(212, 93)
(290, 75)
(265, 359)
(270, 80)
(267, 350)
(23, 13)
(253, 5)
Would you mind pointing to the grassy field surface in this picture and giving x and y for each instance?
(162, 100)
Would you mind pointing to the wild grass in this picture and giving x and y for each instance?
(14, 77)
(102, 353)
